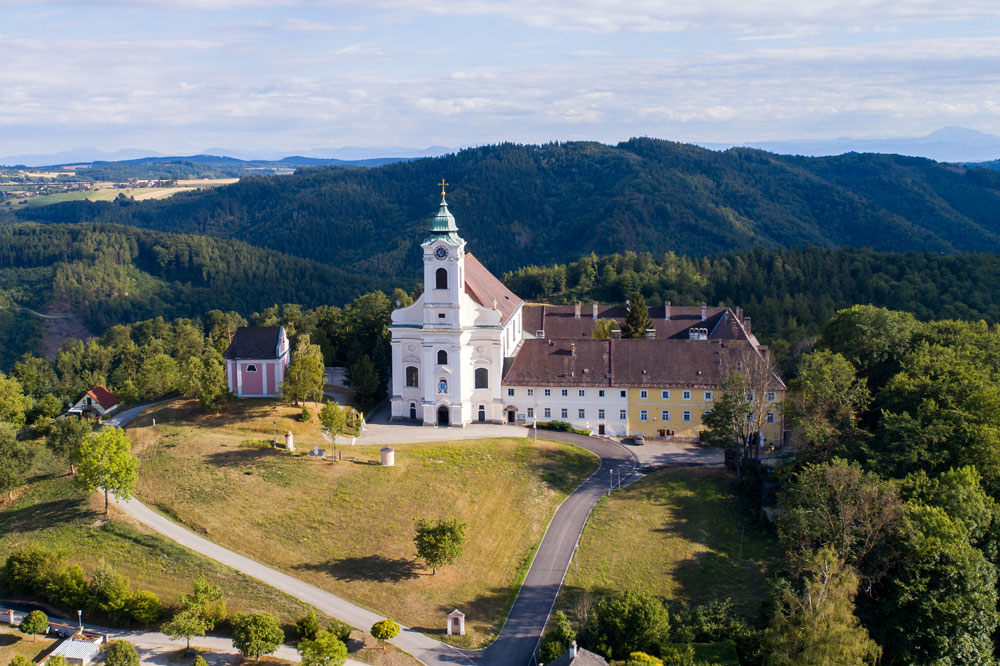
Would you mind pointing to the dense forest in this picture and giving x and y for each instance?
(113, 275)
(206, 166)
(788, 294)
(520, 205)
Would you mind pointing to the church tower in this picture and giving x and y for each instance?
(448, 348)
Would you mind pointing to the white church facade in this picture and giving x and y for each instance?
(469, 350)
(448, 348)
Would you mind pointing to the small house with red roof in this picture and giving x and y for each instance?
(256, 361)
(95, 404)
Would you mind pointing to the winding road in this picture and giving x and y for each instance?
(515, 645)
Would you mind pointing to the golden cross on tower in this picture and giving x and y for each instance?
(443, 185)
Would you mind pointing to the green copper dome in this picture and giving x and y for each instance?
(443, 226)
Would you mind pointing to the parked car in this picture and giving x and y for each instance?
(638, 440)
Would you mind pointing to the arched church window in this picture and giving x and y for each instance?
(482, 378)
(441, 278)
(412, 376)
(442, 357)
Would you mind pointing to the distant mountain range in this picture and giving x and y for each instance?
(381, 155)
(949, 144)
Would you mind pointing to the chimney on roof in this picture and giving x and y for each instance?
(666, 311)
(572, 650)
(746, 324)
(704, 308)
(578, 306)
(595, 309)
(572, 349)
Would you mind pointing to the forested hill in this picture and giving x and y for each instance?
(519, 205)
(113, 274)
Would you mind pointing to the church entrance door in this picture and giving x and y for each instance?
(510, 416)
(442, 416)
(413, 412)
(482, 415)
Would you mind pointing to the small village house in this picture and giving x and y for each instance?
(95, 404)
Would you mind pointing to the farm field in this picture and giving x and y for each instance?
(348, 527)
(51, 511)
(106, 192)
(677, 534)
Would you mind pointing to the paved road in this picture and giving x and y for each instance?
(520, 634)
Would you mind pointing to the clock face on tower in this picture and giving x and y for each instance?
(441, 252)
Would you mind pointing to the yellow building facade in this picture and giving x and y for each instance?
(677, 412)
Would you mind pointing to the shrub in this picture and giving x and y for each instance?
(68, 590)
(307, 626)
(143, 608)
(110, 594)
(121, 653)
(29, 569)
(325, 650)
(561, 426)
(305, 415)
(557, 638)
(341, 630)
(199, 661)
(629, 622)
(21, 660)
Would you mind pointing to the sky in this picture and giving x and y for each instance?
(181, 76)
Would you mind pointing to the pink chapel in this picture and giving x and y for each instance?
(256, 360)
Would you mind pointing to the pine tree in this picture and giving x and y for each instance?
(638, 319)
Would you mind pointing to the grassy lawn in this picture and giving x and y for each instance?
(13, 642)
(52, 512)
(675, 534)
(348, 527)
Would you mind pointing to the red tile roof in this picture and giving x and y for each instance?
(484, 288)
(103, 397)
(627, 363)
(560, 321)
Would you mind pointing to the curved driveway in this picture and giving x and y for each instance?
(522, 630)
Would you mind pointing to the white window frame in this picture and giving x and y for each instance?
(548, 413)
(600, 413)
(686, 416)
(600, 393)
(622, 415)
(643, 394)
(531, 412)
(510, 393)
(664, 414)
(643, 414)
(548, 392)
(709, 396)
(664, 395)
(564, 413)
(582, 393)
(772, 396)
(581, 413)
(565, 393)
(770, 417)
(686, 395)
(531, 392)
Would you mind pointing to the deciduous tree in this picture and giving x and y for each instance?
(15, 459)
(65, 437)
(13, 403)
(385, 630)
(323, 650)
(304, 377)
(34, 623)
(105, 461)
(628, 622)
(121, 653)
(256, 634)
(817, 627)
(439, 542)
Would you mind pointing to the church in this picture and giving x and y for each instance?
(468, 350)
(449, 347)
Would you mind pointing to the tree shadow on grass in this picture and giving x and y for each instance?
(370, 568)
(8, 639)
(240, 457)
(43, 515)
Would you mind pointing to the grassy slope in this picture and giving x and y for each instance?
(13, 642)
(348, 527)
(675, 534)
(51, 511)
